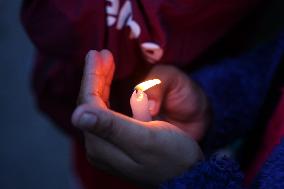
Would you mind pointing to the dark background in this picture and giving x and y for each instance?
(33, 154)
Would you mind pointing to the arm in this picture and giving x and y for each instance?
(215, 172)
(250, 74)
(271, 174)
(222, 172)
(236, 88)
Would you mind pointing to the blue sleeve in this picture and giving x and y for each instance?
(214, 173)
(222, 172)
(236, 88)
(271, 174)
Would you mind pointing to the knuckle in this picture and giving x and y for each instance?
(89, 96)
(148, 145)
(96, 162)
(92, 94)
(90, 154)
(106, 127)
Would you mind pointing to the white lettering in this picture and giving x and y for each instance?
(124, 13)
(112, 10)
(152, 51)
(124, 17)
(134, 27)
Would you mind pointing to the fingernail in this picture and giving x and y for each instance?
(88, 56)
(104, 53)
(87, 120)
(151, 105)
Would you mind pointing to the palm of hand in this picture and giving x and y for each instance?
(149, 152)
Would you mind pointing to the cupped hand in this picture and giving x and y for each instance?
(179, 101)
(148, 152)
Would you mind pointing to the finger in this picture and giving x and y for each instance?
(109, 71)
(113, 127)
(157, 93)
(107, 156)
(93, 78)
(102, 153)
(172, 84)
(155, 97)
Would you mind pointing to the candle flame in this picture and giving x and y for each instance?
(147, 84)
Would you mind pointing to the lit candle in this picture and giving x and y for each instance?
(139, 100)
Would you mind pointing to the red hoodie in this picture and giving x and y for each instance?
(138, 33)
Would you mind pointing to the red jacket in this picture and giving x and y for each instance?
(138, 33)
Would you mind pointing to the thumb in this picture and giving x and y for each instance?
(112, 126)
(92, 119)
(155, 96)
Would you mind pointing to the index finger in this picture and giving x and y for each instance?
(108, 61)
(93, 78)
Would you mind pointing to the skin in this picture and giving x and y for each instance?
(146, 152)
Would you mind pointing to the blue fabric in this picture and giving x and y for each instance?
(215, 173)
(236, 88)
(272, 173)
(222, 172)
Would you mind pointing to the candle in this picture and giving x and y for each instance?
(139, 100)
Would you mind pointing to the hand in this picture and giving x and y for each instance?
(148, 152)
(179, 101)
